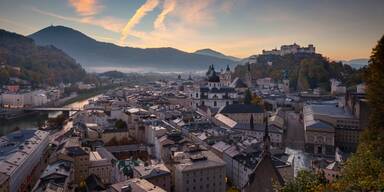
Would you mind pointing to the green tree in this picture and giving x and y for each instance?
(120, 124)
(247, 97)
(364, 171)
(374, 78)
(306, 181)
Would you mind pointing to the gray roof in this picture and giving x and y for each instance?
(147, 172)
(238, 83)
(330, 110)
(241, 108)
(258, 127)
(319, 125)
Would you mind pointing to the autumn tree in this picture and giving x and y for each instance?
(306, 181)
(364, 171)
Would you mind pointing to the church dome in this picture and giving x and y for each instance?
(213, 77)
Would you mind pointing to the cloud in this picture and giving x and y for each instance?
(148, 6)
(107, 23)
(16, 24)
(85, 7)
(196, 13)
(168, 7)
(227, 5)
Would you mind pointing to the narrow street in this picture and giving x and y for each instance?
(295, 131)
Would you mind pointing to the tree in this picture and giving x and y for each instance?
(120, 124)
(364, 170)
(247, 97)
(374, 78)
(257, 100)
(306, 181)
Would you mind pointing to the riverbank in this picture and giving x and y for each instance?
(32, 120)
(86, 94)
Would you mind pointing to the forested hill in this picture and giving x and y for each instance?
(305, 71)
(91, 53)
(37, 64)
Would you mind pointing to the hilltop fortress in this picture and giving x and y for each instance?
(290, 49)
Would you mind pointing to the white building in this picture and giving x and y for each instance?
(337, 88)
(20, 153)
(26, 99)
(100, 164)
(360, 88)
(135, 185)
(214, 94)
(200, 171)
(153, 134)
(266, 83)
(319, 135)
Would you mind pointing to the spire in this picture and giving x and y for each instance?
(266, 139)
(209, 70)
(228, 69)
(251, 122)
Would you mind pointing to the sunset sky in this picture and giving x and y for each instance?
(340, 29)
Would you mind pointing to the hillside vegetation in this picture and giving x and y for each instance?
(92, 53)
(305, 71)
(38, 64)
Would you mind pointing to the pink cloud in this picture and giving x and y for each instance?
(85, 7)
(148, 6)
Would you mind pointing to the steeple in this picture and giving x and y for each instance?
(266, 139)
(209, 70)
(228, 69)
(251, 122)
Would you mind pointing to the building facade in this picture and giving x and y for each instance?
(214, 93)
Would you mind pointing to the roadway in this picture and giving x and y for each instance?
(295, 131)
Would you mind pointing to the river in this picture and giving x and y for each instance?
(31, 121)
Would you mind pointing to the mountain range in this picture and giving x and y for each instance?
(21, 58)
(213, 53)
(357, 63)
(93, 54)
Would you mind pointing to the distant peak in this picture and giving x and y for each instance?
(211, 52)
(207, 50)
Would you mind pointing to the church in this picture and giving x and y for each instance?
(216, 91)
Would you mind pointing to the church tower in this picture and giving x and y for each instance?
(285, 82)
(226, 76)
(248, 77)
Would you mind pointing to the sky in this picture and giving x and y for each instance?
(339, 29)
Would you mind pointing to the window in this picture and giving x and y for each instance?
(215, 103)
